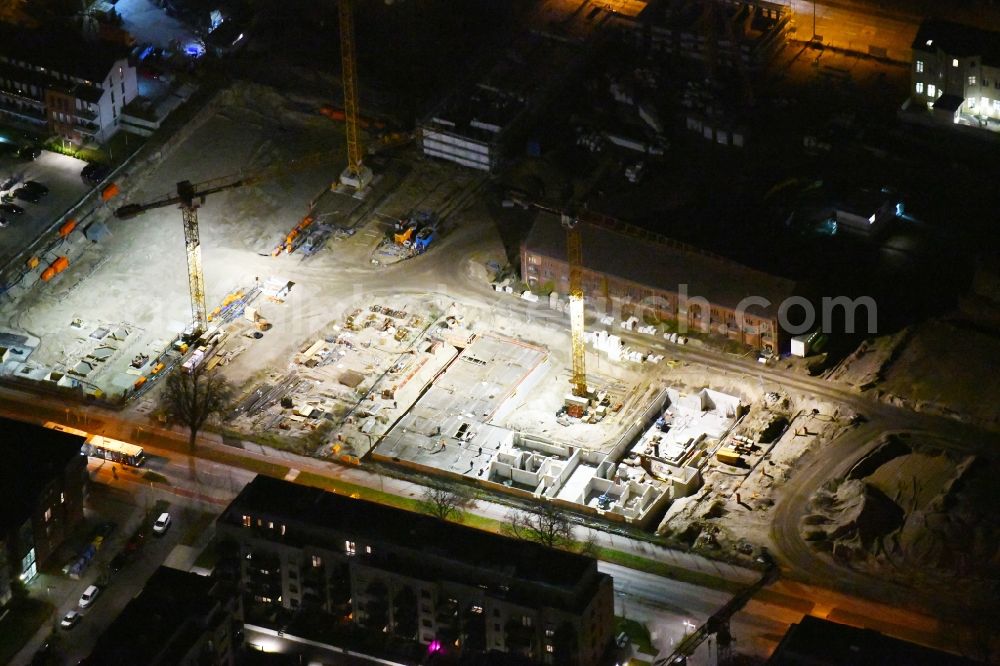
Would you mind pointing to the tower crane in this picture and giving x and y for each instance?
(188, 198)
(718, 624)
(356, 174)
(574, 259)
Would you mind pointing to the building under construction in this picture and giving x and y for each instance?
(479, 124)
(636, 273)
(730, 33)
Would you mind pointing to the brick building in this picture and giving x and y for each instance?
(414, 577)
(54, 82)
(630, 272)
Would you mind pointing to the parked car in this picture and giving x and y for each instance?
(70, 620)
(95, 173)
(29, 153)
(35, 186)
(11, 209)
(9, 183)
(88, 596)
(27, 194)
(3, 222)
(162, 523)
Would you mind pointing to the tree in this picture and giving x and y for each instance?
(445, 500)
(548, 527)
(191, 399)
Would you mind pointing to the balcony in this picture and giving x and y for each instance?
(34, 118)
(21, 96)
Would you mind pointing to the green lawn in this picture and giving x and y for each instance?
(250, 464)
(637, 633)
(20, 624)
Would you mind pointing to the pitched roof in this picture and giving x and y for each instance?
(660, 265)
(958, 40)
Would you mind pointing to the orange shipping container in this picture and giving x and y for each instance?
(33, 262)
(48, 274)
(60, 264)
(67, 229)
(110, 192)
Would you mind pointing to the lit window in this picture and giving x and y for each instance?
(349, 547)
(920, 88)
(996, 105)
(317, 561)
(246, 520)
(282, 529)
(526, 620)
(971, 101)
(954, 62)
(270, 524)
(920, 66)
(930, 90)
(48, 515)
(972, 80)
(62, 498)
(368, 550)
(930, 42)
(549, 648)
(478, 610)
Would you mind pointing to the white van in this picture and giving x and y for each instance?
(162, 523)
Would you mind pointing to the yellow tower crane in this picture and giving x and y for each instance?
(188, 198)
(356, 174)
(574, 257)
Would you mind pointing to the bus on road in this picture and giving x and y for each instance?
(99, 446)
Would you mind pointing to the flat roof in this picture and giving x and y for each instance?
(516, 560)
(661, 266)
(819, 642)
(32, 457)
(958, 40)
(160, 624)
(61, 49)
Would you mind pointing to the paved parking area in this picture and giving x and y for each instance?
(61, 174)
(150, 24)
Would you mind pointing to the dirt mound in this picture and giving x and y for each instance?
(909, 509)
(853, 518)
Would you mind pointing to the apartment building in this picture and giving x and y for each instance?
(179, 619)
(44, 479)
(736, 34)
(53, 82)
(630, 272)
(956, 71)
(446, 586)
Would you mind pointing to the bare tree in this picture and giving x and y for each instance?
(192, 399)
(445, 500)
(549, 526)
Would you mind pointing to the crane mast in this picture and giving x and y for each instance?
(574, 257)
(192, 245)
(356, 174)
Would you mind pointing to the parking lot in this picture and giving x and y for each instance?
(60, 174)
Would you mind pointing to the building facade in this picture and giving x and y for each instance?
(956, 71)
(446, 586)
(628, 272)
(55, 83)
(179, 619)
(44, 477)
(735, 34)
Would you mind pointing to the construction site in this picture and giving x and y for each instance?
(400, 314)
